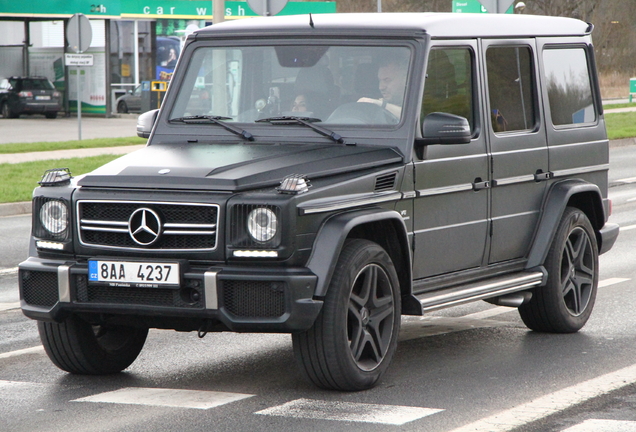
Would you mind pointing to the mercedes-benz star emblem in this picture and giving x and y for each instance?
(144, 226)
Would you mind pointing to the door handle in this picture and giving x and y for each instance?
(478, 184)
(542, 176)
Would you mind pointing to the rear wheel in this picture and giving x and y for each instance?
(81, 348)
(565, 304)
(355, 335)
(7, 112)
(51, 115)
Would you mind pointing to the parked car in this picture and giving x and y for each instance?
(130, 102)
(29, 95)
(470, 164)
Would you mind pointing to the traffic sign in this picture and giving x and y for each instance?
(79, 33)
(267, 7)
(497, 6)
(78, 59)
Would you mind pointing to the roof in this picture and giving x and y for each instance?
(438, 25)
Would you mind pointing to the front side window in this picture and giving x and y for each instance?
(569, 86)
(349, 85)
(511, 88)
(449, 85)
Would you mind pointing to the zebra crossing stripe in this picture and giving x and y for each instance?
(175, 398)
(553, 403)
(349, 411)
(596, 425)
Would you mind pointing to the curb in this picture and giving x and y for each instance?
(15, 209)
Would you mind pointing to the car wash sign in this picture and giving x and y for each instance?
(149, 9)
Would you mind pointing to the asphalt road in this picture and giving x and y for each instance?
(470, 368)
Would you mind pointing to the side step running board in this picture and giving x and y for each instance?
(484, 289)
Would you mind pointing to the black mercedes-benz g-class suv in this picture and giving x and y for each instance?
(322, 176)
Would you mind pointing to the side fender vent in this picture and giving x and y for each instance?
(385, 182)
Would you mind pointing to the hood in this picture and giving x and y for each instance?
(233, 167)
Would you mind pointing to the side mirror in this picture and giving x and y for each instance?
(445, 128)
(145, 122)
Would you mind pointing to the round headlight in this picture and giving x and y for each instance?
(54, 216)
(262, 224)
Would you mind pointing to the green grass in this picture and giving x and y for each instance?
(67, 145)
(20, 179)
(621, 125)
(621, 105)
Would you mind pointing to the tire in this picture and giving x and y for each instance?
(7, 112)
(352, 342)
(78, 347)
(51, 115)
(122, 107)
(565, 303)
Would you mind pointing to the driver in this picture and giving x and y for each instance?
(392, 78)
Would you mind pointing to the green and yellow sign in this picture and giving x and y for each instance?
(150, 9)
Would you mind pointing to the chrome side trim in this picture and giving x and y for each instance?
(583, 170)
(445, 190)
(210, 289)
(514, 180)
(460, 295)
(355, 202)
(409, 195)
(64, 283)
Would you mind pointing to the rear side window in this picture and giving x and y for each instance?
(449, 85)
(511, 88)
(569, 86)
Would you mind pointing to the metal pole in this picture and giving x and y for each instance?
(379, 6)
(218, 11)
(79, 95)
(136, 49)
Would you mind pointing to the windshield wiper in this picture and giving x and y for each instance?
(218, 120)
(306, 121)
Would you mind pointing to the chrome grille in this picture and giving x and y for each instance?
(185, 226)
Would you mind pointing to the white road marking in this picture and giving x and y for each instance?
(176, 398)
(626, 180)
(628, 227)
(8, 271)
(490, 312)
(595, 425)
(611, 281)
(32, 350)
(419, 327)
(9, 306)
(349, 411)
(553, 403)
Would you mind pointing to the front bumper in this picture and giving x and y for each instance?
(248, 299)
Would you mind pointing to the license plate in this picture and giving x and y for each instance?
(133, 274)
(43, 98)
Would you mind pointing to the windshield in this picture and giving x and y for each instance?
(360, 85)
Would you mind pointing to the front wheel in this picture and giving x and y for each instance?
(564, 305)
(122, 107)
(78, 347)
(353, 340)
